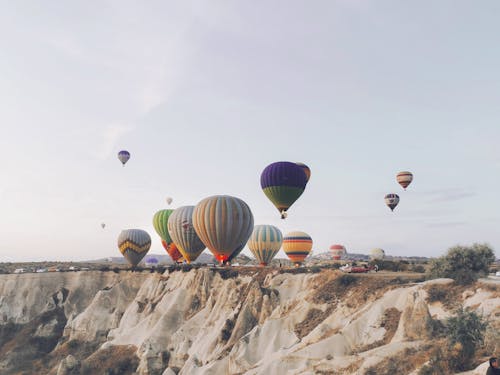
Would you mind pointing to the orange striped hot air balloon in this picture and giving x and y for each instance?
(297, 246)
(338, 251)
(224, 224)
(404, 178)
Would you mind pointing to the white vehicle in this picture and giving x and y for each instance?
(41, 270)
(19, 270)
(498, 273)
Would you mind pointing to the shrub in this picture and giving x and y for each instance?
(464, 264)
(436, 294)
(346, 280)
(465, 333)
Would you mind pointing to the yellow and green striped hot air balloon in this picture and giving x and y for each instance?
(265, 242)
(180, 228)
(297, 246)
(224, 224)
(134, 245)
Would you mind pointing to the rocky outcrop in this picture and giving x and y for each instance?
(212, 321)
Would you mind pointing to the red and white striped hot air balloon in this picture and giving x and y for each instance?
(404, 178)
(338, 251)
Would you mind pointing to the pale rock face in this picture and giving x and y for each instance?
(200, 323)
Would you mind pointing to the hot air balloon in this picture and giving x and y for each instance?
(306, 170)
(224, 224)
(377, 254)
(283, 183)
(134, 245)
(404, 178)
(151, 261)
(181, 230)
(391, 200)
(103, 225)
(265, 242)
(169, 200)
(123, 156)
(338, 251)
(297, 246)
(173, 251)
(160, 220)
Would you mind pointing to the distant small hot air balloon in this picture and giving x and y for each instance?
(306, 170)
(224, 224)
(297, 246)
(283, 183)
(180, 228)
(134, 245)
(151, 261)
(377, 254)
(404, 178)
(265, 242)
(123, 156)
(391, 200)
(169, 200)
(338, 251)
(173, 251)
(103, 225)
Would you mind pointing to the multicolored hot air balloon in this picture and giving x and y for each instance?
(181, 230)
(173, 251)
(224, 224)
(265, 242)
(338, 251)
(283, 183)
(404, 178)
(123, 156)
(306, 170)
(160, 220)
(134, 245)
(297, 246)
(169, 200)
(391, 200)
(377, 254)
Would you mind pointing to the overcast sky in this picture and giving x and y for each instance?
(206, 94)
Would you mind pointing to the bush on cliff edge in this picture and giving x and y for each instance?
(464, 264)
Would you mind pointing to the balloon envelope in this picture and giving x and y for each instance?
(181, 230)
(160, 221)
(265, 242)
(391, 200)
(377, 254)
(134, 245)
(404, 178)
(224, 224)
(338, 251)
(306, 170)
(283, 183)
(173, 251)
(123, 156)
(297, 246)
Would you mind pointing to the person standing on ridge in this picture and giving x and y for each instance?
(494, 368)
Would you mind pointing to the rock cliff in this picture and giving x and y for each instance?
(219, 321)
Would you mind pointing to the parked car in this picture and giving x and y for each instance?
(41, 270)
(19, 270)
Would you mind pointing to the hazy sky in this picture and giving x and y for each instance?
(206, 94)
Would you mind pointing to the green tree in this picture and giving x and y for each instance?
(464, 264)
(466, 329)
